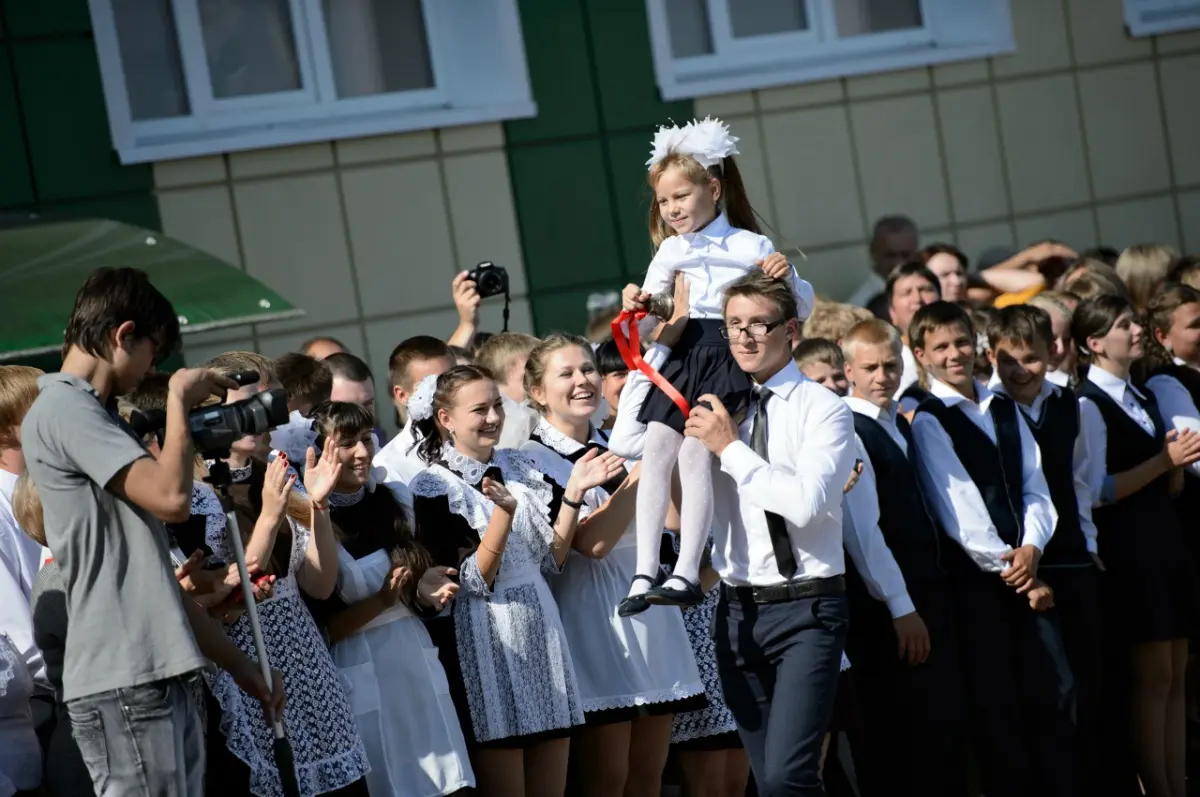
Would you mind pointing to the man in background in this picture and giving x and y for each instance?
(321, 347)
(893, 241)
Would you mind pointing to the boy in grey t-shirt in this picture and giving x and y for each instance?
(135, 637)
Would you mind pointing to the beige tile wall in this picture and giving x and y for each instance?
(1083, 135)
(364, 235)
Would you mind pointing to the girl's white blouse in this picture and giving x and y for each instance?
(712, 258)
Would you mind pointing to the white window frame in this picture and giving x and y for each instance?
(1155, 17)
(490, 84)
(954, 30)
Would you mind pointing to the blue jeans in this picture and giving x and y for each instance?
(142, 740)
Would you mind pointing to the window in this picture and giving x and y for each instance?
(197, 77)
(715, 46)
(1152, 17)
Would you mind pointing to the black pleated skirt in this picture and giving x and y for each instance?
(700, 363)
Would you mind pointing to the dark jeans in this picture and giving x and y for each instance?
(778, 664)
(912, 737)
(141, 740)
(1019, 689)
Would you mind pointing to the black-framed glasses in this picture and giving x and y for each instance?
(756, 330)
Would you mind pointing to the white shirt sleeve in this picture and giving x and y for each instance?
(661, 271)
(1083, 491)
(16, 620)
(865, 544)
(814, 486)
(1040, 515)
(1176, 407)
(1095, 430)
(628, 436)
(953, 496)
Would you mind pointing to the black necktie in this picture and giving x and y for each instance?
(785, 560)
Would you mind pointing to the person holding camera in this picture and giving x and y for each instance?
(292, 534)
(105, 500)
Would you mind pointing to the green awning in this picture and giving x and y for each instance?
(42, 267)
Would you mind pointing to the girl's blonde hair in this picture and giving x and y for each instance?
(535, 366)
(732, 199)
(18, 389)
(27, 509)
(1143, 268)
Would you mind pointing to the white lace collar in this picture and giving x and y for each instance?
(470, 469)
(347, 499)
(551, 437)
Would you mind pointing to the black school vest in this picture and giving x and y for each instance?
(908, 529)
(1055, 433)
(994, 467)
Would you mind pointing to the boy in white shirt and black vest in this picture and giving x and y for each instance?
(908, 670)
(981, 469)
(1019, 347)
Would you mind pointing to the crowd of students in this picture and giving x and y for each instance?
(944, 550)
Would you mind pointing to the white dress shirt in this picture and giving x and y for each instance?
(519, 421)
(1060, 378)
(911, 373)
(860, 521)
(711, 259)
(1083, 492)
(1176, 406)
(398, 459)
(810, 444)
(20, 560)
(955, 499)
(1096, 430)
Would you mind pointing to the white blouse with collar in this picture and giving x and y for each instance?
(1176, 406)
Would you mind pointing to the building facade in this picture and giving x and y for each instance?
(1085, 133)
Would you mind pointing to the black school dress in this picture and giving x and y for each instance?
(1149, 584)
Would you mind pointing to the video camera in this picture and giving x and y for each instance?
(214, 429)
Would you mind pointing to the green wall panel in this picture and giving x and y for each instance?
(67, 122)
(556, 51)
(565, 311)
(46, 17)
(564, 213)
(15, 185)
(137, 208)
(629, 96)
(631, 199)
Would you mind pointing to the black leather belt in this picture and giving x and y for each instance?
(789, 591)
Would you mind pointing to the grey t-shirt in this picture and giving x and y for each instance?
(128, 624)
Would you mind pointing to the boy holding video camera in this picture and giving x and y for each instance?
(136, 640)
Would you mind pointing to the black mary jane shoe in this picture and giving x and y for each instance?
(636, 604)
(663, 595)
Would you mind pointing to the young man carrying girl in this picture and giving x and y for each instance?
(981, 469)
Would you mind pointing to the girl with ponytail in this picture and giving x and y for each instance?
(703, 227)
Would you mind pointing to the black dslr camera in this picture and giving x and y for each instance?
(214, 429)
(489, 279)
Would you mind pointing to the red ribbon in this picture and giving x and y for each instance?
(630, 348)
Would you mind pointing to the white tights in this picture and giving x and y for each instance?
(665, 446)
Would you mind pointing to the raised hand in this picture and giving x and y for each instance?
(194, 385)
(775, 265)
(394, 584)
(499, 495)
(436, 588)
(277, 486)
(321, 476)
(594, 469)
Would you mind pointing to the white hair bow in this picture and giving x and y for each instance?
(420, 403)
(709, 142)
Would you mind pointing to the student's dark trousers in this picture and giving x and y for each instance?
(911, 737)
(778, 664)
(1077, 603)
(1020, 706)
